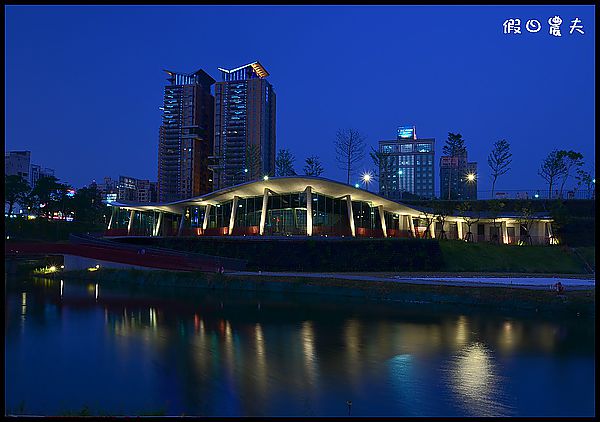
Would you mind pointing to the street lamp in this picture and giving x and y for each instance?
(366, 178)
(471, 177)
(265, 177)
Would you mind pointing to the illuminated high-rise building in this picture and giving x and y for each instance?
(407, 166)
(244, 142)
(186, 136)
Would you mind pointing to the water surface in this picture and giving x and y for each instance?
(134, 350)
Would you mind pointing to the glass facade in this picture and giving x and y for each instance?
(406, 167)
(330, 216)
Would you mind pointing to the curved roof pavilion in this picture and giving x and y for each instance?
(391, 218)
(276, 185)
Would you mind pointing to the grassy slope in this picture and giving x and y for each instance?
(461, 256)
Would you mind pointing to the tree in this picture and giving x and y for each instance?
(428, 215)
(584, 179)
(88, 206)
(499, 160)
(442, 209)
(526, 219)
(383, 166)
(313, 166)
(571, 160)
(349, 150)
(455, 145)
(495, 207)
(15, 191)
(49, 194)
(471, 214)
(284, 163)
(553, 167)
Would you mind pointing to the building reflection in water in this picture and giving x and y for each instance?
(475, 381)
(352, 343)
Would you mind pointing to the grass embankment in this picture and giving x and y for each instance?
(485, 257)
(573, 301)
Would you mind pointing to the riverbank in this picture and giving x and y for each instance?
(572, 301)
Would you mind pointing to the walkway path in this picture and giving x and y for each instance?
(532, 283)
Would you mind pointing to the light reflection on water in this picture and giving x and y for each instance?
(475, 381)
(207, 355)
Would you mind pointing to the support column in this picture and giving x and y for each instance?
(234, 207)
(263, 213)
(157, 227)
(309, 217)
(382, 217)
(351, 215)
(206, 213)
(180, 229)
(411, 225)
(112, 216)
(504, 232)
(131, 215)
(460, 229)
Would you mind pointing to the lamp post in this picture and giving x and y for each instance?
(366, 178)
(471, 178)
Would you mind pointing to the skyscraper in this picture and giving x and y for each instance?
(244, 147)
(186, 136)
(458, 177)
(406, 165)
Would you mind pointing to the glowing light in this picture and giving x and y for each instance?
(356, 185)
(97, 290)
(7, 237)
(471, 177)
(366, 177)
(265, 177)
(62, 266)
(92, 269)
(245, 170)
(52, 269)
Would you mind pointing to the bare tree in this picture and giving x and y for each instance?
(499, 160)
(349, 150)
(552, 169)
(313, 166)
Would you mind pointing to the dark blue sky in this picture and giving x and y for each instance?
(84, 83)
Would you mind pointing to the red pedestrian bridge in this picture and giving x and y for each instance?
(85, 251)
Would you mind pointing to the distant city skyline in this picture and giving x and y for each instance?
(95, 77)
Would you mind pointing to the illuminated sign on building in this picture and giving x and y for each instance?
(407, 132)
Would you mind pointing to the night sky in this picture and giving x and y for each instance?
(84, 84)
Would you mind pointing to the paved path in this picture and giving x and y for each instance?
(532, 283)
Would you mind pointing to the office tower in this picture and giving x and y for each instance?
(186, 136)
(244, 147)
(136, 190)
(406, 167)
(18, 163)
(458, 177)
(37, 171)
